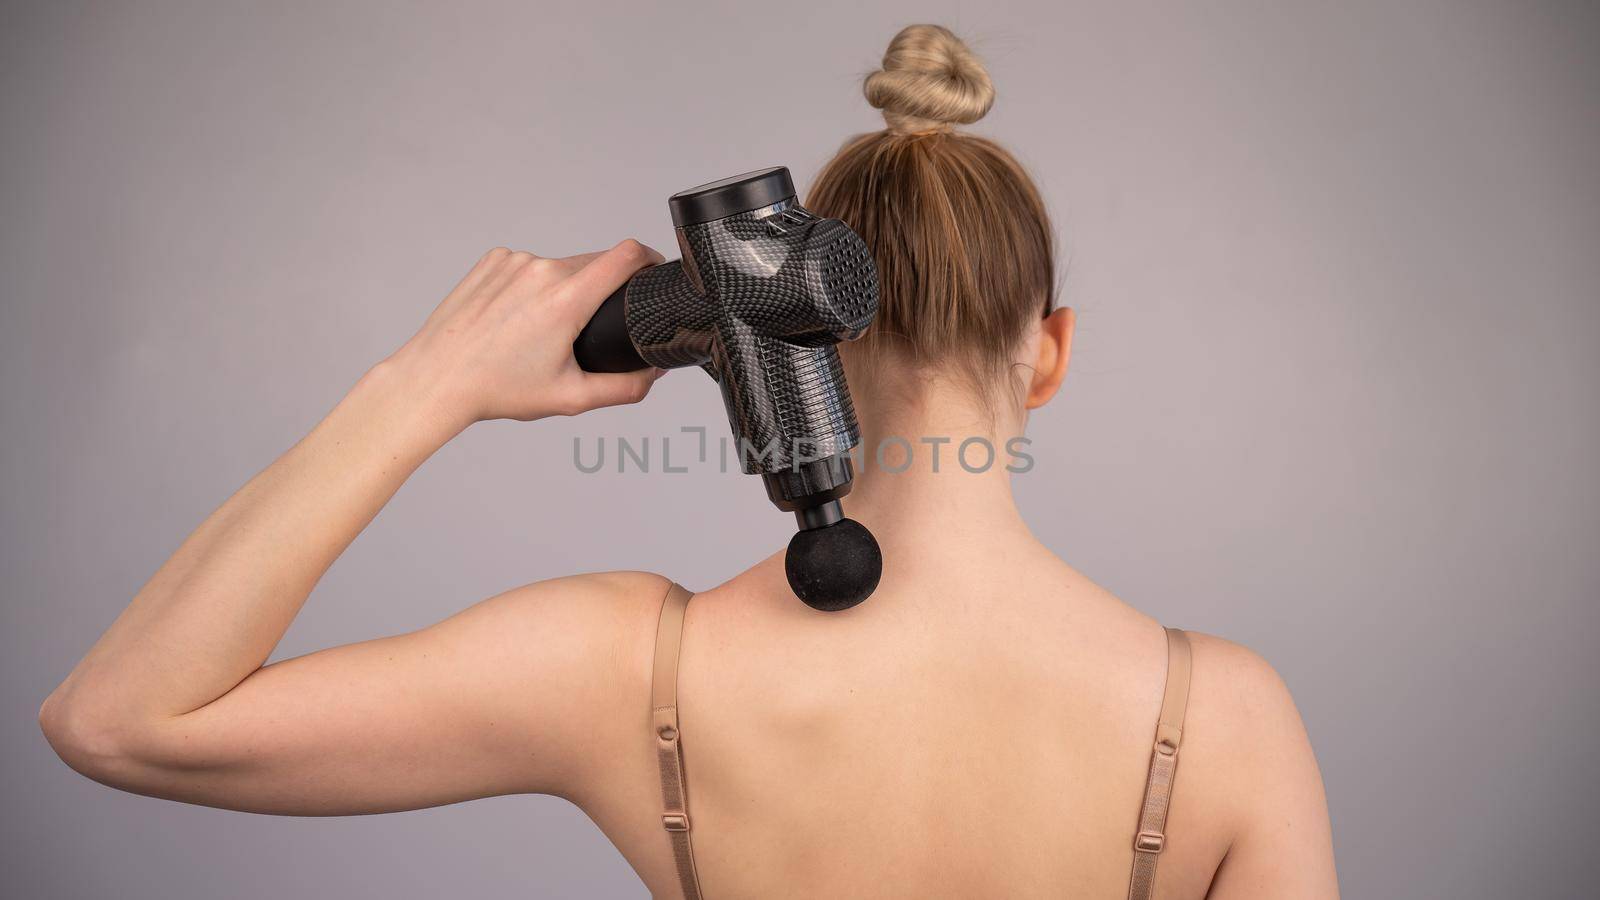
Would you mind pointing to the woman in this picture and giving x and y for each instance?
(990, 723)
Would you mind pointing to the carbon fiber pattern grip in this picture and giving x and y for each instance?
(759, 301)
(670, 323)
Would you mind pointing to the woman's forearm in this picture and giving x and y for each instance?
(214, 611)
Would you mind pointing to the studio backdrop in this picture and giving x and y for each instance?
(1333, 393)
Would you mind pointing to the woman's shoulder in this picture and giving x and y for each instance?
(594, 629)
(589, 608)
(1235, 685)
(1229, 682)
(1244, 737)
(1246, 754)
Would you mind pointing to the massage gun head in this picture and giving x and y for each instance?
(763, 293)
(833, 563)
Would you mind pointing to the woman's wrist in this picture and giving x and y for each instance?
(405, 394)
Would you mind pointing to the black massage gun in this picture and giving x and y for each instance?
(761, 296)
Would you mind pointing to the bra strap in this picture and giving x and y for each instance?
(669, 746)
(1152, 838)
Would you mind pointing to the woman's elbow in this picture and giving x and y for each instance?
(93, 744)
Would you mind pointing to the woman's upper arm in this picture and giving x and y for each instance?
(513, 695)
(1283, 845)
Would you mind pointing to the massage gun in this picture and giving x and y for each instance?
(761, 296)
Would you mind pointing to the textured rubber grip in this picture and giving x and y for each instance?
(603, 345)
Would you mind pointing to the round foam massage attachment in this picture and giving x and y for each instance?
(834, 567)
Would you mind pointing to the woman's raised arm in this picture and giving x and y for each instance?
(174, 701)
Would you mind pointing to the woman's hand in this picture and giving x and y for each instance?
(500, 345)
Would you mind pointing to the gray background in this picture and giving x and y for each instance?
(1333, 396)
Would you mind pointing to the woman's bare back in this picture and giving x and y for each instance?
(972, 730)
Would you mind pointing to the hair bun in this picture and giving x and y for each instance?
(929, 81)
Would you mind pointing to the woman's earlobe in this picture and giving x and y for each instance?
(1055, 349)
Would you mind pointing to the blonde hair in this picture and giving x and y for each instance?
(958, 230)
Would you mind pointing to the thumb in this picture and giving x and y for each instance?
(603, 273)
(616, 388)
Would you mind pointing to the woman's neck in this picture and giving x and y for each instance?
(935, 463)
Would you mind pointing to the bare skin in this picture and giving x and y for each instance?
(980, 727)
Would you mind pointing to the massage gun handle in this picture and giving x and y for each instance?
(603, 344)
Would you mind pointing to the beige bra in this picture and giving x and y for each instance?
(1147, 844)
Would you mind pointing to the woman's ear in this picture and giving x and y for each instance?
(1055, 348)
